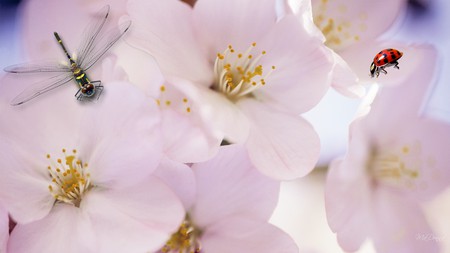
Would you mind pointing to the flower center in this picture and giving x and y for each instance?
(69, 178)
(185, 240)
(239, 74)
(338, 29)
(401, 167)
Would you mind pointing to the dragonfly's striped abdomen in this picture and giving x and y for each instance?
(86, 87)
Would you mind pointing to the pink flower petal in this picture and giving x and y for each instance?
(180, 178)
(136, 219)
(229, 185)
(221, 23)
(187, 137)
(147, 76)
(345, 23)
(303, 66)
(24, 184)
(29, 123)
(346, 207)
(65, 229)
(246, 235)
(303, 10)
(4, 229)
(280, 145)
(169, 38)
(128, 146)
(345, 80)
(186, 140)
(401, 226)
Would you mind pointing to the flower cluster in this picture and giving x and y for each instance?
(198, 121)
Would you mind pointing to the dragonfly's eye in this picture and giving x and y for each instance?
(88, 90)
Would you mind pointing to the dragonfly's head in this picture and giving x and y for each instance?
(88, 90)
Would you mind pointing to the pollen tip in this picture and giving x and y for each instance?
(162, 88)
(48, 156)
(64, 150)
(74, 151)
(254, 44)
(188, 109)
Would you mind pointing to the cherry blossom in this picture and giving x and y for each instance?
(229, 209)
(396, 159)
(78, 178)
(249, 81)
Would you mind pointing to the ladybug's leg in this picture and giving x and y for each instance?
(377, 71)
(383, 70)
(396, 65)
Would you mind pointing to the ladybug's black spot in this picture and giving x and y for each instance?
(389, 49)
(385, 60)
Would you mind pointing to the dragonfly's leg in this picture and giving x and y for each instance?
(97, 83)
(98, 88)
(78, 95)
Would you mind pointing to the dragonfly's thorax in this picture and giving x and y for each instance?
(86, 87)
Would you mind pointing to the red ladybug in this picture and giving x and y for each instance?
(385, 58)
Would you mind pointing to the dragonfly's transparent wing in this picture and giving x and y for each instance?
(40, 88)
(37, 68)
(90, 34)
(106, 42)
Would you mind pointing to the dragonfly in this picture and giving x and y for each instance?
(92, 48)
